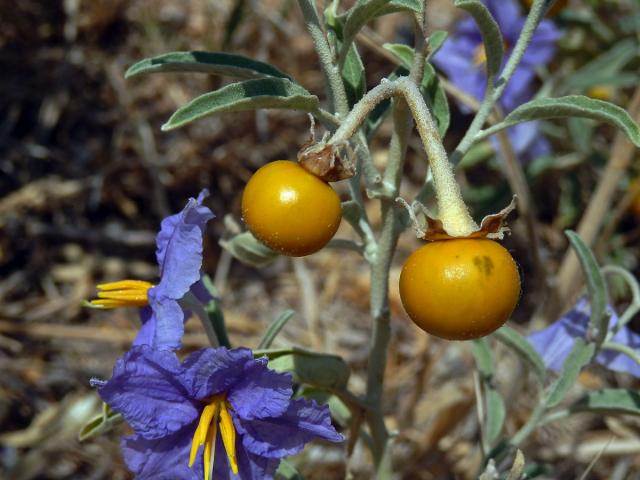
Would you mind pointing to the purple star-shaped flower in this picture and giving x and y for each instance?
(462, 58)
(556, 341)
(179, 255)
(219, 414)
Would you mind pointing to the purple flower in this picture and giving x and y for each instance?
(463, 58)
(219, 414)
(179, 255)
(556, 341)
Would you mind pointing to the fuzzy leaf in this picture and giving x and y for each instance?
(317, 369)
(599, 321)
(249, 250)
(100, 424)
(572, 106)
(491, 36)
(581, 354)
(247, 95)
(609, 401)
(275, 327)
(496, 414)
(523, 349)
(216, 63)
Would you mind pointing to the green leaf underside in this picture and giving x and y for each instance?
(286, 471)
(575, 106)
(595, 285)
(100, 424)
(609, 400)
(491, 36)
(484, 359)
(275, 327)
(216, 63)
(523, 349)
(353, 76)
(249, 250)
(435, 41)
(496, 414)
(320, 370)
(243, 96)
(581, 354)
(365, 10)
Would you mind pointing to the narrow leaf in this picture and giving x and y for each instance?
(365, 10)
(496, 414)
(580, 355)
(100, 424)
(242, 96)
(523, 349)
(216, 63)
(572, 106)
(249, 250)
(436, 99)
(435, 41)
(215, 313)
(275, 327)
(317, 369)
(599, 321)
(286, 471)
(491, 36)
(353, 76)
(484, 359)
(609, 401)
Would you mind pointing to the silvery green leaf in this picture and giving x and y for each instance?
(581, 354)
(215, 313)
(435, 41)
(436, 99)
(365, 10)
(249, 250)
(496, 414)
(483, 357)
(599, 321)
(401, 6)
(403, 52)
(572, 106)
(523, 349)
(242, 96)
(317, 369)
(272, 331)
(609, 401)
(286, 471)
(216, 63)
(353, 76)
(100, 424)
(491, 36)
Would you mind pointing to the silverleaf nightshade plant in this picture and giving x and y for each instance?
(219, 414)
(179, 256)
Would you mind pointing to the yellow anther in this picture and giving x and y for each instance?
(228, 433)
(214, 414)
(124, 293)
(480, 55)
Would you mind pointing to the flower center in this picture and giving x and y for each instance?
(215, 414)
(125, 293)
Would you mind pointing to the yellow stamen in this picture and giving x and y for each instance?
(480, 55)
(228, 433)
(217, 412)
(210, 450)
(124, 293)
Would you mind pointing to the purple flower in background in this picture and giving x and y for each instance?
(179, 255)
(463, 58)
(220, 414)
(556, 341)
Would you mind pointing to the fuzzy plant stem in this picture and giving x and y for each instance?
(492, 95)
(338, 96)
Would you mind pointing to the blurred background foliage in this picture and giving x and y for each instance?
(86, 175)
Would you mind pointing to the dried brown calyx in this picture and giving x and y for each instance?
(324, 161)
(493, 226)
